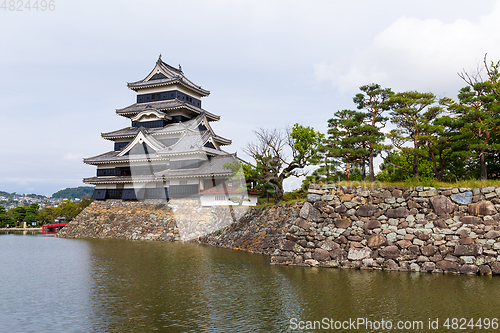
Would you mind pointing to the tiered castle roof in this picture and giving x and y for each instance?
(165, 75)
(168, 124)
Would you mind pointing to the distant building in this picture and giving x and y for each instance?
(170, 150)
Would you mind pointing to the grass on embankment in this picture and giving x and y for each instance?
(471, 183)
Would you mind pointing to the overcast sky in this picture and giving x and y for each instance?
(267, 63)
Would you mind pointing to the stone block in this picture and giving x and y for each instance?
(414, 267)
(359, 254)
(468, 250)
(309, 213)
(391, 265)
(397, 193)
(367, 210)
(404, 244)
(429, 193)
(471, 220)
(363, 192)
(321, 255)
(397, 212)
(311, 262)
(346, 197)
(328, 245)
(372, 224)
(488, 189)
(495, 267)
(429, 250)
(342, 223)
(392, 237)
(484, 269)
(441, 205)
(300, 222)
(341, 209)
(281, 260)
(469, 269)
(489, 196)
(448, 266)
(482, 208)
(428, 266)
(492, 234)
(376, 241)
(327, 197)
(389, 252)
(390, 200)
(313, 197)
(338, 254)
(349, 204)
(464, 198)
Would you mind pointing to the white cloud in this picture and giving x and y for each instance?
(418, 54)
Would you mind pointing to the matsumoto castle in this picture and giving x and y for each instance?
(170, 149)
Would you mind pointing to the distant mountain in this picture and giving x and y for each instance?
(74, 192)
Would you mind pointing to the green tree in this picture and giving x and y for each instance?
(31, 213)
(19, 213)
(67, 209)
(5, 219)
(270, 154)
(349, 139)
(478, 114)
(494, 156)
(390, 173)
(327, 171)
(84, 202)
(410, 112)
(46, 215)
(373, 100)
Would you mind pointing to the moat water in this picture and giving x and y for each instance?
(48, 284)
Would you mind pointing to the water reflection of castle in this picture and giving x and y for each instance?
(170, 151)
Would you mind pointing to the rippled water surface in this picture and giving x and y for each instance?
(65, 285)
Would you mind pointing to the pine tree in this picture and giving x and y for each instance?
(478, 114)
(373, 100)
(410, 111)
(349, 138)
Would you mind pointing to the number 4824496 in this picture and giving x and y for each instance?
(22, 5)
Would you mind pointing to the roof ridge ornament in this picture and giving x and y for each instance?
(180, 67)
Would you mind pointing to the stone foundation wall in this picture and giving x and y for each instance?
(179, 219)
(396, 228)
(260, 230)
